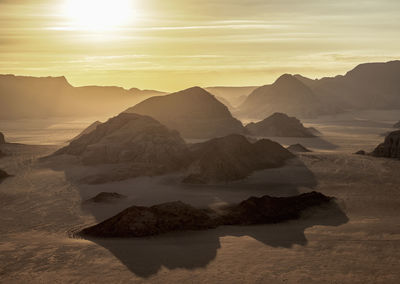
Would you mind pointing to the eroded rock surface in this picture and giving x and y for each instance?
(139, 221)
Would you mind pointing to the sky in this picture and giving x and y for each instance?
(175, 44)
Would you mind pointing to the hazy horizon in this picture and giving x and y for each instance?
(179, 44)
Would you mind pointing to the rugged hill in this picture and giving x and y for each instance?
(288, 95)
(141, 143)
(34, 97)
(138, 221)
(367, 86)
(279, 125)
(194, 112)
(390, 148)
(87, 130)
(232, 158)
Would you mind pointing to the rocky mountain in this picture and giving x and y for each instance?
(288, 95)
(140, 146)
(233, 95)
(279, 125)
(87, 130)
(367, 86)
(139, 221)
(232, 158)
(43, 97)
(390, 148)
(194, 112)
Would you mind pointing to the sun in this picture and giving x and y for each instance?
(98, 15)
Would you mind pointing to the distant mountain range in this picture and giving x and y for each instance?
(368, 86)
(33, 97)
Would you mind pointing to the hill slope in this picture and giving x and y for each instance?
(194, 112)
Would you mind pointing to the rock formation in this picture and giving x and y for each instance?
(137, 145)
(87, 130)
(390, 148)
(106, 197)
(194, 112)
(298, 148)
(3, 175)
(397, 125)
(304, 97)
(138, 221)
(360, 152)
(279, 125)
(2, 139)
(232, 158)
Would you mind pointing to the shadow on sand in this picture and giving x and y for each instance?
(196, 249)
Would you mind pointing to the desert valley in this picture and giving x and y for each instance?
(291, 182)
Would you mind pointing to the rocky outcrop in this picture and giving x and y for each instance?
(87, 130)
(106, 197)
(194, 112)
(298, 148)
(232, 158)
(390, 148)
(361, 152)
(2, 139)
(3, 175)
(279, 125)
(138, 221)
(137, 145)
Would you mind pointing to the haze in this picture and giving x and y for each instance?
(171, 45)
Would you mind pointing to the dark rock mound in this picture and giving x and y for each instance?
(3, 174)
(397, 125)
(194, 112)
(2, 139)
(138, 221)
(361, 152)
(279, 125)
(390, 148)
(298, 148)
(267, 209)
(134, 144)
(106, 197)
(87, 130)
(232, 158)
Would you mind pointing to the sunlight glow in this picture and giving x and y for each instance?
(98, 15)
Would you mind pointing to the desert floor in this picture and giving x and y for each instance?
(357, 242)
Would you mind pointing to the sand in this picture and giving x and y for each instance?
(359, 242)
